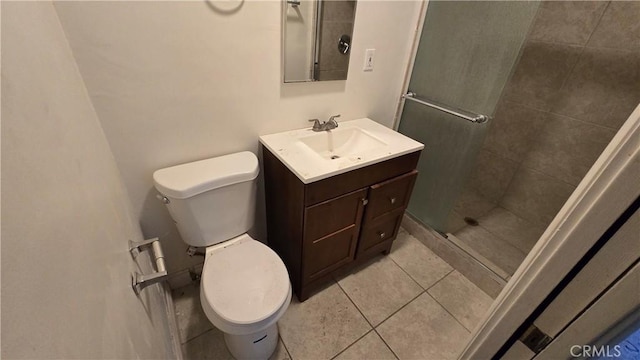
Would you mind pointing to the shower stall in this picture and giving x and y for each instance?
(555, 79)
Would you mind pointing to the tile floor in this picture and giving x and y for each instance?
(408, 305)
(501, 237)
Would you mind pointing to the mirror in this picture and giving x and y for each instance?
(317, 39)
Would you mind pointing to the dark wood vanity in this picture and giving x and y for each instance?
(327, 225)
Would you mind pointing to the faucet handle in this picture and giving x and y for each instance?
(316, 124)
(333, 118)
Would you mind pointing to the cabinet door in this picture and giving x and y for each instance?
(390, 195)
(331, 230)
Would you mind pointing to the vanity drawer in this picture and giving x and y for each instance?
(381, 229)
(390, 195)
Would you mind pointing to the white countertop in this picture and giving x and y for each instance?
(309, 166)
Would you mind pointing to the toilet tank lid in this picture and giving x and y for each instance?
(187, 180)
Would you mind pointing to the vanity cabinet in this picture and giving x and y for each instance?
(327, 225)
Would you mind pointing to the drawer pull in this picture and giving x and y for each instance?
(382, 235)
(392, 200)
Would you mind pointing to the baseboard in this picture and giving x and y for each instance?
(174, 334)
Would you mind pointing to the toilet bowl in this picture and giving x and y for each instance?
(244, 288)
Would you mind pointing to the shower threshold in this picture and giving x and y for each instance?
(482, 272)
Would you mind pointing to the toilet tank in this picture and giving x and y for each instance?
(211, 200)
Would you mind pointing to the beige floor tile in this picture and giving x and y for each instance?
(424, 330)
(280, 353)
(211, 345)
(457, 258)
(191, 318)
(370, 346)
(425, 267)
(322, 326)
(462, 299)
(379, 288)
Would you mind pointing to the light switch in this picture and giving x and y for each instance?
(369, 59)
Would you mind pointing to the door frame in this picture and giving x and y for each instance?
(412, 59)
(607, 190)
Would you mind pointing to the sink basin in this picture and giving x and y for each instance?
(338, 143)
(314, 156)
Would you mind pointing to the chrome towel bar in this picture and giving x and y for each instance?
(476, 118)
(141, 281)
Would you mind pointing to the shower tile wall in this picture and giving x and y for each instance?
(577, 81)
(337, 20)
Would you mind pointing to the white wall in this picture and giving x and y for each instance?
(173, 82)
(66, 217)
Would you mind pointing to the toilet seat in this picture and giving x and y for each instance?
(244, 286)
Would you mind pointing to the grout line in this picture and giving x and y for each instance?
(387, 345)
(356, 306)
(448, 312)
(505, 239)
(409, 275)
(387, 318)
(350, 345)
(392, 314)
(604, 11)
(284, 345)
(436, 283)
(583, 47)
(401, 307)
(197, 336)
(550, 112)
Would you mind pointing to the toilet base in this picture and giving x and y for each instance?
(259, 345)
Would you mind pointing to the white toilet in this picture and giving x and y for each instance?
(244, 287)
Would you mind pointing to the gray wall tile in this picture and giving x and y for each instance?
(567, 148)
(491, 175)
(570, 22)
(343, 10)
(470, 203)
(535, 196)
(330, 58)
(517, 231)
(603, 88)
(332, 75)
(540, 73)
(619, 27)
(513, 129)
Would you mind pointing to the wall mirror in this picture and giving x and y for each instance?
(317, 39)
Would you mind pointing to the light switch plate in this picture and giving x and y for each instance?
(369, 59)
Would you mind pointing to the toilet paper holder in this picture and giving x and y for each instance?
(141, 281)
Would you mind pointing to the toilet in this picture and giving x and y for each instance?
(244, 288)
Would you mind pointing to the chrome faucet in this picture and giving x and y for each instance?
(325, 125)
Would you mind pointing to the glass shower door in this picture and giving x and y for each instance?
(465, 56)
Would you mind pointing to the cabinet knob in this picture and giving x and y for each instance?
(392, 200)
(382, 235)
